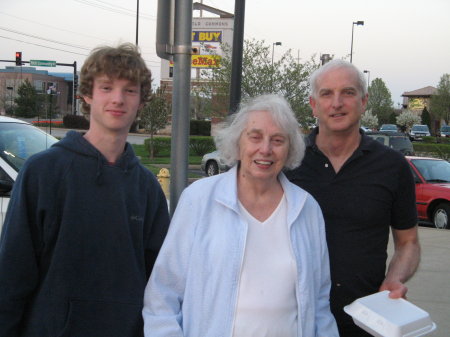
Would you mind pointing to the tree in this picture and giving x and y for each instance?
(28, 103)
(155, 115)
(426, 118)
(380, 101)
(440, 103)
(407, 119)
(369, 120)
(287, 77)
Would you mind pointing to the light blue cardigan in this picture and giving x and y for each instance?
(193, 288)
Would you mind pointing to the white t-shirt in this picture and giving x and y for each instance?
(267, 305)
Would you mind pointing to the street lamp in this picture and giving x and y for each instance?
(273, 48)
(358, 23)
(368, 78)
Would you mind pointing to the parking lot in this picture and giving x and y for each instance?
(429, 289)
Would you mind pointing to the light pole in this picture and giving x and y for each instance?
(137, 22)
(358, 23)
(273, 48)
(368, 78)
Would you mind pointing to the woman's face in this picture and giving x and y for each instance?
(263, 147)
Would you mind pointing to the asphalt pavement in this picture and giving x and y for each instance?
(429, 288)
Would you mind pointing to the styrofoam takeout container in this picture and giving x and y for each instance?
(382, 316)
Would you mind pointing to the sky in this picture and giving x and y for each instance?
(406, 43)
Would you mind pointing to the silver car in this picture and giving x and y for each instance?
(212, 164)
(18, 141)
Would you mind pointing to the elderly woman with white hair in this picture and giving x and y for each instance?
(246, 254)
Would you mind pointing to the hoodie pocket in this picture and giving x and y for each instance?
(103, 318)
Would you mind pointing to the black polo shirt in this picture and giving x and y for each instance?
(373, 190)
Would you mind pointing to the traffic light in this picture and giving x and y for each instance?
(18, 58)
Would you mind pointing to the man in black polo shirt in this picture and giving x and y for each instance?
(364, 188)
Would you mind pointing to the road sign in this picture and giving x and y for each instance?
(42, 63)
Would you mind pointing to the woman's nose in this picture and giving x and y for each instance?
(266, 147)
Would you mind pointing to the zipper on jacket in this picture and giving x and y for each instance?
(236, 293)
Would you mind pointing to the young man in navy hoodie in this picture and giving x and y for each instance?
(86, 220)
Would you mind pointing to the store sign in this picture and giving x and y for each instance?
(206, 36)
(206, 61)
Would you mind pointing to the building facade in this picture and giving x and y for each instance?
(58, 85)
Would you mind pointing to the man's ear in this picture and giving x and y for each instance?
(312, 103)
(87, 99)
(365, 100)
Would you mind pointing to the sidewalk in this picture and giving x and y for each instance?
(429, 288)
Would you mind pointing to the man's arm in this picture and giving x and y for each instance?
(404, 263)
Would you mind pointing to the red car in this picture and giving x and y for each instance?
(432, 178)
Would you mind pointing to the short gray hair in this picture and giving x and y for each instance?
(337, 64)
(227, 139)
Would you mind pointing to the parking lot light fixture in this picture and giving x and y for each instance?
(368, 78)
(273, 48)
(358, 23)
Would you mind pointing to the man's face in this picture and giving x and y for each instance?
(339, 103)
(114, 104)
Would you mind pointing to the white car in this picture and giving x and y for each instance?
(419, 131)
(18, 141)
(212, 164)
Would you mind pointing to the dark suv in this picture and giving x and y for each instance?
(395, 140)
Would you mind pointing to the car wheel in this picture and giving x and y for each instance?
(211, 168)
(441, 216)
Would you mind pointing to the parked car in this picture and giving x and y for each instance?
(445, 131)
(212, 164)
(365, 129)
(395, 140)
(18, 141)
(389, 128)
(432, 177)
(419, 131)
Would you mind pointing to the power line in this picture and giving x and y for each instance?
(115, 9)
(59, 29)
(39, 45)
(66, 51)
(45, 39)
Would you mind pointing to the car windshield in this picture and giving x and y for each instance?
(388, 127)
(399, 142)
(433, 171)
(19, 141)
(445, 129)
(423, 128)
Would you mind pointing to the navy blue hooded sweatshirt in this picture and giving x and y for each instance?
(78, 243)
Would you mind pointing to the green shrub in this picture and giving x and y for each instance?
(161, 146)
(199, 128)
(199, 145)
(75, 122)
(432, 149)
(430, 139)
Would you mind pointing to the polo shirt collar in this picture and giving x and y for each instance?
(366, 144)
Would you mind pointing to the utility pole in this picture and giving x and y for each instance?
(236, 60)
(137, 23)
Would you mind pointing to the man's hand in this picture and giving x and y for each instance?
(396, 289)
